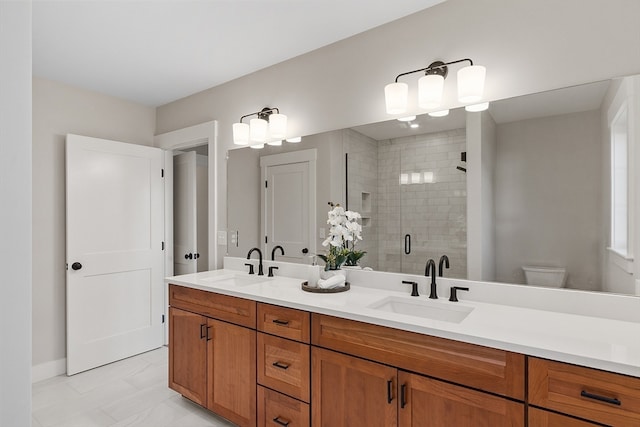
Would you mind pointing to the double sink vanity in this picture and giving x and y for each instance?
(259, 350)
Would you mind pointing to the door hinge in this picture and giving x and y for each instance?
(163, 318)
(161, 173)
(266, 239)
(163, 246)
(266, 184)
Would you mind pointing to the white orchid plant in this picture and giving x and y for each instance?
(344, 233)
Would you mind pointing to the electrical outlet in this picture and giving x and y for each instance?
(222, 238)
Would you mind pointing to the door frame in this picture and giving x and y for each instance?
(189, 137)
(301, 156)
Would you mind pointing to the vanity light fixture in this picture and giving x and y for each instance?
(268, 126)
(477, 107)
(431, 86)
(441, 113)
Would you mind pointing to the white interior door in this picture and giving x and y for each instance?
(287, 210)
(115, 214)
(185, 213)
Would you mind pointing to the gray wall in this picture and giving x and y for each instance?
(548, 197)
(57, 110)
(15, 213)
(244, 184)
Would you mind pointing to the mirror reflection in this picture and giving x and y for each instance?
(520, 193)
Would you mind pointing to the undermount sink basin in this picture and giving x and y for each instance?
(235, 279)
(423, 308)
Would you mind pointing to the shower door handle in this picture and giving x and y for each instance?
(407, 244)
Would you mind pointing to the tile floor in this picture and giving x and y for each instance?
(131, 392)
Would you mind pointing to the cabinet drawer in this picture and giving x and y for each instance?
(541, 418)
(284, 322)
(222, 307)
(600, 396)
(485, 368)
(275, 409)
(284, 365)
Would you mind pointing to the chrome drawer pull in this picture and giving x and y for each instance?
(281, 365)
(280, 322)
(611, 400)
(280, 421)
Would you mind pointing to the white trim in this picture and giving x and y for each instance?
(291, 157)
(48, 370)
(624, 261)
(203, 133)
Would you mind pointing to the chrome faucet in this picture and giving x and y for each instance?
(444, 259)
(260, 272)
(430, 270)
(273, 252)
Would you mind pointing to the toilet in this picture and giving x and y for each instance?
(551, 277)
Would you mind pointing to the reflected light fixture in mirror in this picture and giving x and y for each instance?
(294, 140)
(407, 119)
(477, 107)
(431, 86)
(441, 113)
(269, 126)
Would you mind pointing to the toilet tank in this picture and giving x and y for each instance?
(552, 277)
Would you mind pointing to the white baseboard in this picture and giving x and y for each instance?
(47, 370)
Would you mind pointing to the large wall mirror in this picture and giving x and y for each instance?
(524, 184)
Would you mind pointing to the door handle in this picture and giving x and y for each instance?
(407, 244)
(196, 256)
(188, 256)
(305, 251)
(76, 266)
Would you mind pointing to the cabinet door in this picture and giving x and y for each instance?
(425, 402)
(352, 392)
(188, 354)
(231, 372)
(540, 418)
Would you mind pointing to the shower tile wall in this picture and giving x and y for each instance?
(363, 162)
(433, 213)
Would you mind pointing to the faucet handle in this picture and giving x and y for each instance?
(414, 288)
(250, 268)
(454, 293)
(271, 270)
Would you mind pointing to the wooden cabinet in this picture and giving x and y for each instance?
(213, 362)
(276, 409)
(542, 418)
(351, 392)
(426, 402)
(603, 397)
(231, 372)
(188, 354)
(284, 365)
(284, 322)
(484, 368)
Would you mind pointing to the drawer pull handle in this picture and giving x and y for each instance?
(403, 396)
(281, 365)
(208, 335)
(389, 391)
(611, 400)
(281, 322)
(203, 332)
(280, 421)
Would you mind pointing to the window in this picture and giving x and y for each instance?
(620, 182)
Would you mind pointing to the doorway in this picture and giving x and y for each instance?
(190, 210)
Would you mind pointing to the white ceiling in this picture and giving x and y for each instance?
(154, 52)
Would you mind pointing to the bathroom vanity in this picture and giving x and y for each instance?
(260, 351)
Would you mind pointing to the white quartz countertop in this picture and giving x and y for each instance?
(611, 345)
